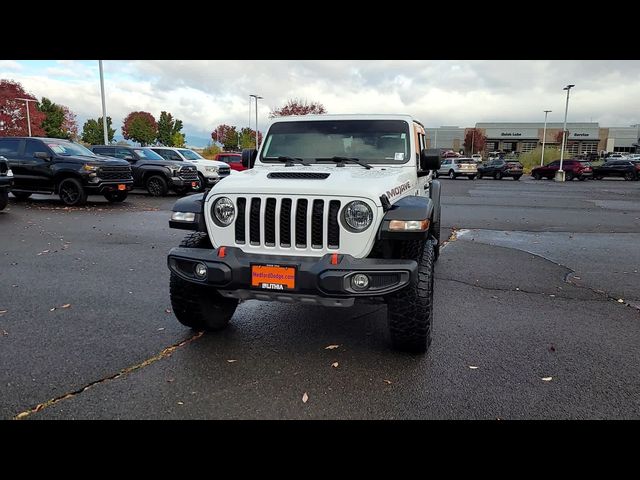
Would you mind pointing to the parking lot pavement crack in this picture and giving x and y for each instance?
(126, 371)
(497, 289)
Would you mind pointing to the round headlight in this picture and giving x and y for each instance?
(223, 211)
(357, 216)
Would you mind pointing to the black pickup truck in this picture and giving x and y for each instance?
(152, 172)
(6, 180)
(56, 166)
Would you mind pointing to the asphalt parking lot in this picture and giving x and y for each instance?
(537, 315)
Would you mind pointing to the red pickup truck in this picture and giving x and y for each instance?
(572, 168)
(233, 159)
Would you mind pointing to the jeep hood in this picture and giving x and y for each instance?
(351, 181)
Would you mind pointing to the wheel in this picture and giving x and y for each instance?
(72, 193)
(479, 175)
(582, 178)
(199, 306)
(410, 310)
(598, 177)
(471, 177)
(537, 176)
(452, 175)
(629, 176)
(156, 186)
(203, 183)
(497, 175)
(116, 197)
(517, 177)
(21, 195)
(4, 198)
(568, 176)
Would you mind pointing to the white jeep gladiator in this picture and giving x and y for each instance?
(333, 210)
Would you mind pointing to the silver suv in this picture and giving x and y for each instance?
(458, 167)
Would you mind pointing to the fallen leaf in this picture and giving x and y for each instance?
(66, 305)
(552, 348)
(331, 347)
(231, 361)
(387, 381)
(22, 415)
(170, 380)
(52, 309)
(160, 329)
(473, 367)
(167, 310)
(180, 403)
(494, 296)
(334, 364)
(4, 332)
(577, 278)
(305, 397)
(546, 379)
(620, 300)
(3, 312)
(552, 295)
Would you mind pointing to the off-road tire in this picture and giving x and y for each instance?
(203, 183)
(116, 197)
(156, 186)
(72, 193)
(21, 195)
(410, 310)
(199, 307)
(4, 198)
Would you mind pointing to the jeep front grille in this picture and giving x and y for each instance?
(287, 222)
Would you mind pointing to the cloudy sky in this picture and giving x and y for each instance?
(205, 94)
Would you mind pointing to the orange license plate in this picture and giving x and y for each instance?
(194, 184)
(122, 187)
(273, 277)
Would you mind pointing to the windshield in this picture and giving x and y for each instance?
(66, 149)
(147, 154)
(189, 154)
(372, 141)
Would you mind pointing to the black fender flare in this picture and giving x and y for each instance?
(434, 195)
(412, 207)
(190, 204)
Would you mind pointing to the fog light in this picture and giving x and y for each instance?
(360, 281)
(200, 270)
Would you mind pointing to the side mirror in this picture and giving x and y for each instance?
(430, 159)
(42, 155)
(249, 157)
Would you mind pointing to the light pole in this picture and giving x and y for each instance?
(544, 135)
(435, 143)
(257, 97)
(473, 137)
(27, 100)
(560, 172)
(104, 107)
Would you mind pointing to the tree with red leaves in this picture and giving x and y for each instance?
(70, 124)
(226, 135)
(475, 139)
(13, 113)
(558, 137)
(296, 106)
(140, 127)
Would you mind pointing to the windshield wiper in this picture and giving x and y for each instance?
(340, 161)
(290, 161)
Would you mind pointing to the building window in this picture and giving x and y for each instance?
(589, 147)
(623, 149)
(528, 146)
(573, 147)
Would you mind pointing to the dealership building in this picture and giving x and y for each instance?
(587, 137)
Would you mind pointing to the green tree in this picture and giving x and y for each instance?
(177, 139)
(52, 124)
(92, 131)
(168, 128)
(140, 127)
(248, 138)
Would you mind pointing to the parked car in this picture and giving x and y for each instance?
(572, 168)
(500, 168)
(234, 160)
(57, 166)
(615, 156)
(477, 157)
(152, 172)
(6, 180)
(210, 172)
(458, 167)
(627, 169)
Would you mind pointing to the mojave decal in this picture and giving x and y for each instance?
(395, 191)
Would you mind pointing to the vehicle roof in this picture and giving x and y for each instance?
(42, 138)
(350, 116)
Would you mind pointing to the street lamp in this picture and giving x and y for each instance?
(27, 100)
(257, 97)
(544, 135)
(104, 106)
(560, 172)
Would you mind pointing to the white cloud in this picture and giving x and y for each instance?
(10, 65)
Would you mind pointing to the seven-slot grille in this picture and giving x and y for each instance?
(188, 173)
(115, 173)
(287, 222)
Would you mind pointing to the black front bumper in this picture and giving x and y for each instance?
(6, 182)
(107, 186)
(313, 275)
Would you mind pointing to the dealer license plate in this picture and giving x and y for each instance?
(122, 187)
(273, 277)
